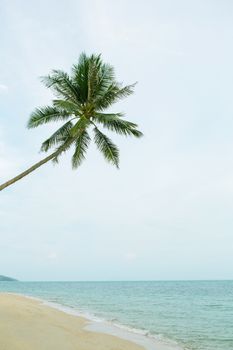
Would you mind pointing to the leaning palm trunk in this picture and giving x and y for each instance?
(52, 156)
(29, 170)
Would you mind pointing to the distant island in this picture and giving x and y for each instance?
(6, 279)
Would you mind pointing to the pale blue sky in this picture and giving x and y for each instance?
(167, 213)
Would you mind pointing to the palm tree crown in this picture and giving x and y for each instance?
(82, 98)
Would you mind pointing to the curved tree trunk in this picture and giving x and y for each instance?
(61, 149)
(29, 170)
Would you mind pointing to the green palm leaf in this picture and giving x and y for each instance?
(114, 123)
(68, 106)
(58, 137)
(94, 67)
(80, 76)
(81, 146)
(106, 77)
(62, 85)
(45, 115)
(107, 147)
(79, 127)
(113, 94)
(63, 147)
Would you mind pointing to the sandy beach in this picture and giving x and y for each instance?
(27, 324)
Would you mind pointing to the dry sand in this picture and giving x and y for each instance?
(27, 324)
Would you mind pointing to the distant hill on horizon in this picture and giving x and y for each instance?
(6, 279)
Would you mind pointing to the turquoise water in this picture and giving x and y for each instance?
(198, 315)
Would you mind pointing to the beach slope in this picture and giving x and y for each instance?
(27, 324)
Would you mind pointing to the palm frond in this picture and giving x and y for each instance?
(80, 76)
(125, 91)
(113, 94)
(107, 75)
(45, 115)
(100, 77)
(62, 85)
(109, 115)
(93, 75)
(107, 147)
(79, 126)
(69, 106)
(81, 146)
(64, 146)
(59, 136)
(105, 78)
(120, 126)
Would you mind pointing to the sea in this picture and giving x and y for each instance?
(189, 315)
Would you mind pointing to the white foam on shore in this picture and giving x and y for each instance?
(134, 335)
(96, 324)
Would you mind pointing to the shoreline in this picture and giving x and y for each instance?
(137, 338)
(27, 324)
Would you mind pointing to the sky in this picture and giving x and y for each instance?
(167, 213)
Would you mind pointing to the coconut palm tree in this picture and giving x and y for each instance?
(81, 100)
